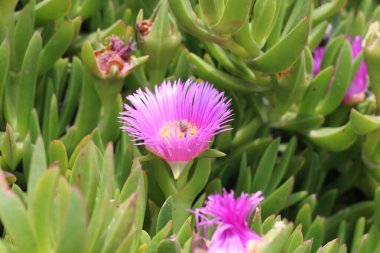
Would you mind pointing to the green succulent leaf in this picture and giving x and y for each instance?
(27, 83)
(334, 138)
(233, 19)
(282, 55)
(15, 219)
(364, 124)
(49, 10)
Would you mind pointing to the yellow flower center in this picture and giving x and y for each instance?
(179, 129)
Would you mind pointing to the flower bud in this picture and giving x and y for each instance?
(159, 38)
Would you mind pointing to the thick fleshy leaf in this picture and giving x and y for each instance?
(15, 220)
(187, 19)
(85, 173)
(316, 233)
(363, 124)
(72, 94)
(265, 168)
(123, 223)
(165, 214)
(169, 246)
(41, 207)
(27, 83)
(58, 155)
(245, 177)
(38, 166)
(282, 55)
(4, 67)
(56, 46)
(334, 138)
(273, 203)
(264, 17)
(327, 10)
(23, 33)
(11, 153)
(49, 10)
(72, 234)
(235, 14)
(340, 83)
(222, 79)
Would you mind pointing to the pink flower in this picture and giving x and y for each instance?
(229, 219)
(356, 91)
(317, 59)
(178, 120)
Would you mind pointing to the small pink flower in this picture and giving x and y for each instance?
(229, 219)
(317, 59)
(356, 91)
(178, 120)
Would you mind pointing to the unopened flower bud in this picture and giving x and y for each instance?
(159, 38)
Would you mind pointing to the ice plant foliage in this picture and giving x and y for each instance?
(178, 120)
(228, 217)
(356, 91)
(117, 54)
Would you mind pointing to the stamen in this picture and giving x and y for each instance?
(178, 129)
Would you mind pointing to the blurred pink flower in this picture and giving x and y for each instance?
(317, 59)
(229, 219)
(356, 91)
(178, 120)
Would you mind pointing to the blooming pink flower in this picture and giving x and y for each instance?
(178, 120)
(228, 217)
(356, 91)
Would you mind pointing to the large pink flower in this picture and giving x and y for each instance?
(178, 120)
(229, 219)
(358, 87)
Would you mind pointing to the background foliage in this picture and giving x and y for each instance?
(72, 182)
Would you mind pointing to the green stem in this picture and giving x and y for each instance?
(109, 94)
(110, 129)
(183, 178)
(164, 178)
(184, 190)
(89, 108)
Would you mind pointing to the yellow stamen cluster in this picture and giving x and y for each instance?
(179, 129)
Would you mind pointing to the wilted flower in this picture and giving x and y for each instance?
(177, 121)
(229, 219)
(113, 61)
(116, 54)
(356, 91)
